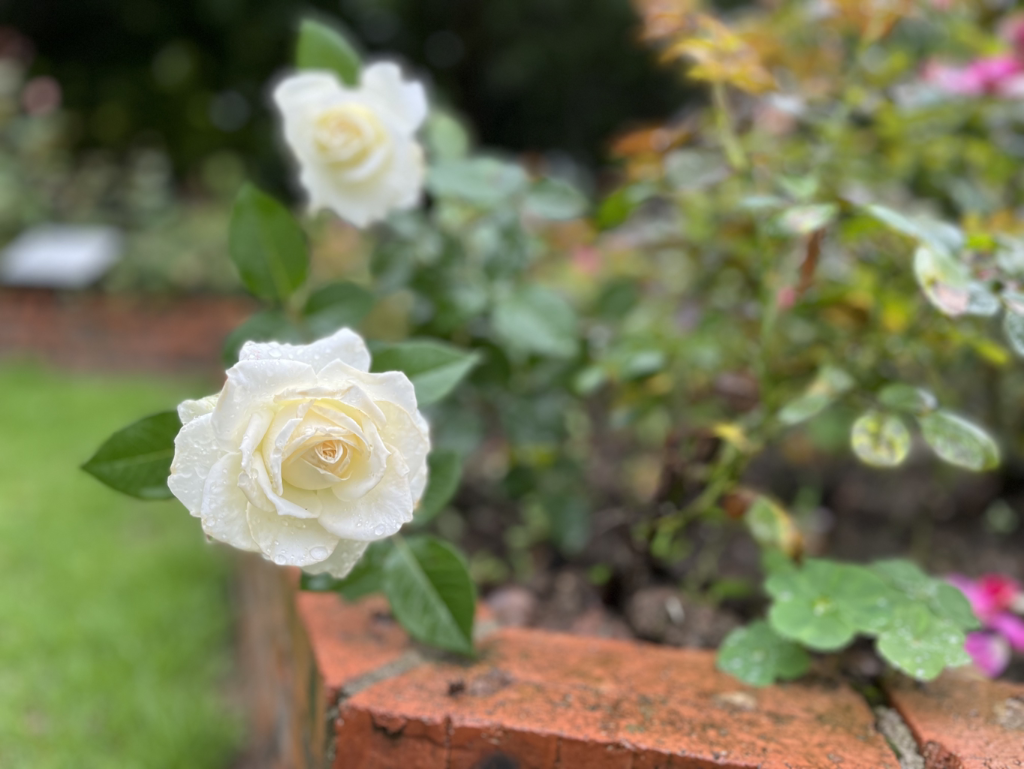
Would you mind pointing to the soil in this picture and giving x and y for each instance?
(924, 511)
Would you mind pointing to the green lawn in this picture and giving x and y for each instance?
(114, 617)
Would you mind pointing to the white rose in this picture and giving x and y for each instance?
(356, 147)
(303, 456)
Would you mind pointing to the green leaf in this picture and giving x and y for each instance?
(321, 47)
(536, 320)
(772, 526)
(759, 656)
(824, 604)
(555, 199)
(267, 246)
(921, 644)
(431, 592)
(265, 326)
(803, 220)
(981, 301)
(940, 237)
(903, 397)
(435, 368)
(830, 383)
(880, 439)
(443, 478)
(136, 460)
(446, 136)
(365, 578)
(337, 305)
(944, 280)
(1013, 327)
(689, 170)
(620, 205)
(483, 182)
(959, 442)
(944, 600)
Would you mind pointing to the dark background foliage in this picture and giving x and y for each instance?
(190, 76)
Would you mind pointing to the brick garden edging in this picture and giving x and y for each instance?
(121, 332)
(340, 685)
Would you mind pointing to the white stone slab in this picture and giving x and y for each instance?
(60, 256)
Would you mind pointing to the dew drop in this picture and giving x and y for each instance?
(274, 353)
(318, 553)
(379, 530)
(280, 560)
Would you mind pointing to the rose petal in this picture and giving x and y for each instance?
(251, 385)
(408, 435)
(344, 345)
(989, 651)
(368, 468)
(189, 410)
(404, 102)
(345, 556)
(390, 386)
(195, 451)
(376, 515)
(224, 505)
(289, 541)
(293, 502)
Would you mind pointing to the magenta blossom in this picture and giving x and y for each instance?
(994, 598)
(999, 75)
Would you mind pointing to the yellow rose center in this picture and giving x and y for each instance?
(347, 135)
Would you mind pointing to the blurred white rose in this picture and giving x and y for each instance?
(356, 147)
(303, 456)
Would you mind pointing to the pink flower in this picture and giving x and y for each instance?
(989, 651)
(1011, 627)
(993, 597)
(984, 76)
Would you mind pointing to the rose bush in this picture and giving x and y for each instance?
(356, 147)
(303, 456)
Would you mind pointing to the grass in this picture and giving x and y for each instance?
(114, 616)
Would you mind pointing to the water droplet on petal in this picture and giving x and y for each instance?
(379, 530)
(280, 560)
(318, 553)
(275, 353)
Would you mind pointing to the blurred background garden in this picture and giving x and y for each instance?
(144, 116)
(736, 280)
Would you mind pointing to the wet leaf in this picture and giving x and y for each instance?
(830, 383)
(136, 460)
(959, 442)
(534, 319)
(803, 220)
(759, 656)
(1013, 327)
(431, 593)
(945, 281)
(322, 47)
(772, 526)
(880, 439)
(921, 644)
(555, 199)
(903, 397)
(267, 246)
(824, 604)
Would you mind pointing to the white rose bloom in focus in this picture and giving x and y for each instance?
(356, 147)
(303, 456)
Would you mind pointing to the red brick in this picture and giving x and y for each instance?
(351, 639)
(603, 703)
(385, 741)
(962, 721)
